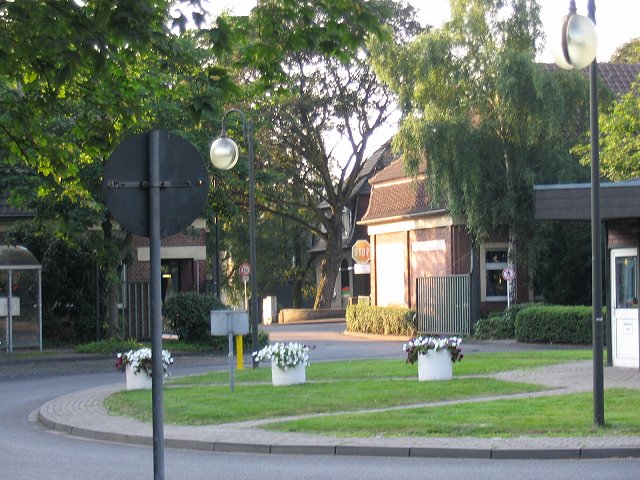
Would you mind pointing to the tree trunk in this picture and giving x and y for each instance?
(118, 250)
(511, 261)
(329, 267)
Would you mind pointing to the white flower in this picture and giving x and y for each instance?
(284, 355)
(140, 360)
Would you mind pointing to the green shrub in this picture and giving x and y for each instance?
(499, 325)
(364, 318)
(188, 315)
(496, 327)
(555, 324)
(107, 347)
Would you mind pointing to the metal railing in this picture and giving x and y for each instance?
(443, 305)
(135, 315)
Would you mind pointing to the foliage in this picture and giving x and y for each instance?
(312, 60)
(562, 270)
(189, 314)
(482, 119)
(112, 345)
(619, 138)
(284, 355)
(555, 324)
(627, 53)
(421, 346)
(494, 327)
(499, 325)
(380, 320)
(88, 75)
(69, 272)
(141, 360)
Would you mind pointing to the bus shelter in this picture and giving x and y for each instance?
(20, 299)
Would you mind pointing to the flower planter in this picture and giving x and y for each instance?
(137, 381)
(435, 365)
(290, 376)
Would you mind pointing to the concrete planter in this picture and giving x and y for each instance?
(290, 376)
(137, 381)
(435, 365)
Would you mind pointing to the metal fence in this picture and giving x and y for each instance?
(135, 314)
(443, 304)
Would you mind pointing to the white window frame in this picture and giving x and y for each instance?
(493, 266)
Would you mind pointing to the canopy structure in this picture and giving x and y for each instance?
(20, 299)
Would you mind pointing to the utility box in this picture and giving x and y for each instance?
(229, 322)
(269, 310)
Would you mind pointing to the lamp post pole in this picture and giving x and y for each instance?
(596, 242)
(578, 50)
(224, 155)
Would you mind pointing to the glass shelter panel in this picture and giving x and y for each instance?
(625, 271)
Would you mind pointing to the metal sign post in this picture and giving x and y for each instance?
(508, 274)
(155, 184)
(230, 322)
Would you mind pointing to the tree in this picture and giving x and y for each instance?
(87, 75)
(627, 53)
(310, 63)
(487, 120)
(619, 138)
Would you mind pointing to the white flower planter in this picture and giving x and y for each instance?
(290, 376)
(435, 365)
(139, 381)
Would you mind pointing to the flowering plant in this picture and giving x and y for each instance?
(422, 345)
(284, 355)
(140, 360)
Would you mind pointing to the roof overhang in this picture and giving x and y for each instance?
(573, 201)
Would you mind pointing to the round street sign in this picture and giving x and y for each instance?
(508, 274)
(244, 270)
(184, 183)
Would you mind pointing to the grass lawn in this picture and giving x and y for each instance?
(205, 405)
(340, 390)
(558, 415)
(474, 364)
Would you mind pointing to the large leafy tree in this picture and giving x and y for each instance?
(619, 138)
(308, 66)
(487, 121)
(76, 79)
(627, 53)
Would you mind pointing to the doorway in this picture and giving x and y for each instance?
(624, 307)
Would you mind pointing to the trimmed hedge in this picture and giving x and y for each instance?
(555, 324)
(189, 316)
(364, 318)
(500, 325)
(496, 327)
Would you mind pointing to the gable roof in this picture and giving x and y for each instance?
(395, 195)
(619, 76)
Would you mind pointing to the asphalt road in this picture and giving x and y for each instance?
(28, 451)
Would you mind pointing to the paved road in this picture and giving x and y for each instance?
(27, 450)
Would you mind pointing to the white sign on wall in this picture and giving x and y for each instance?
(4, 307)
(429, 246)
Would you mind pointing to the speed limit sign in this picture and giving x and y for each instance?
(244, 270)
(508, 274)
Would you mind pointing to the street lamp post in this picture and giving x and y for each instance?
(224, 155)
(578, 49)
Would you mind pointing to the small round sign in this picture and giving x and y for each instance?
(508, 274)
(244, 270)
